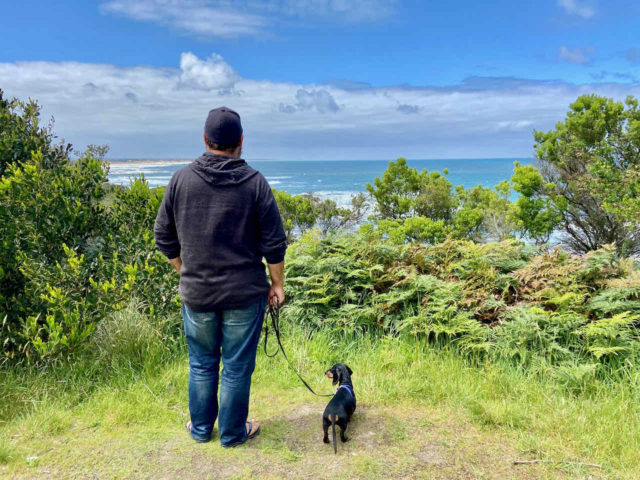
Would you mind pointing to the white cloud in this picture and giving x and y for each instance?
(223, 18)
(209, 74)
(159, 112)
(578, 56)
(584, 9)
(320, 100)
(197, 17)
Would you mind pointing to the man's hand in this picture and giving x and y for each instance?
(276, 295)
(276, 292)
(176, 263)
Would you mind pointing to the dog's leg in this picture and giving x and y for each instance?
(333, 429)
(342, 430)
(325, 427)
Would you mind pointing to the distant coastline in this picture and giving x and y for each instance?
(338, 180)
(177, 161)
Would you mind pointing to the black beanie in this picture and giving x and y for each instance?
(223, 126)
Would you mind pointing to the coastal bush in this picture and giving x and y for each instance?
(49, 213)
(302, 212)
(501, 300)
(537, 209)
(485, 213)
(72, 249)
(403, 192)
(413, 229)
(590, 172)
(21, 133)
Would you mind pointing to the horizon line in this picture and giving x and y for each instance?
(181, 160)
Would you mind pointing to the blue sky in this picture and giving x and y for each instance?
(317, 78)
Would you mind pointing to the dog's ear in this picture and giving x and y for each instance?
(337, 375)
(349, 370)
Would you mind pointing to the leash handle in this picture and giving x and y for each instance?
(274, 313)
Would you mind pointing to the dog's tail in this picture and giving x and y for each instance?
(333, 431)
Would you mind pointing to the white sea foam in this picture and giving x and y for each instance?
(155, 181)
(342, 198)
(135, 168)
(149, 161)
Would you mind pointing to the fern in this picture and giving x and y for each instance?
(553, 312)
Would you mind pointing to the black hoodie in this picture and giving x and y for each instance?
(219, 215)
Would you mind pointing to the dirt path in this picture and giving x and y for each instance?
(403, 442)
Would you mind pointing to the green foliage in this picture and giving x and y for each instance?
(538, 212)
(621, 295)
(72, 249)
(130, 336)
(484, 213)
(21, 134)
(300, 213)
(498, 300)
(76, 252)
(413, 229)
(404, 192)
(590, 166)
(44, 210)
(296, 212)
(614, 337)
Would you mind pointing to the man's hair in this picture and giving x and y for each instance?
(220, 147)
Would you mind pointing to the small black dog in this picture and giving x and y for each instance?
(342, 405)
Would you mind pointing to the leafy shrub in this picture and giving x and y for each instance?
(403, 192)
(300, 213)
(44, 210)
(21, 134)
(72, 249)
(484, 213)
(589, 174)
(503, 301)
(410, 230)
(613, 337)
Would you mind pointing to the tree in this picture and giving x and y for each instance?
(537, 209)
(21, 134)
(302, 212)
(485, 214)
(297, 212)
(590, 170)
(403, 192)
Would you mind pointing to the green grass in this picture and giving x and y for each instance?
(118, 413)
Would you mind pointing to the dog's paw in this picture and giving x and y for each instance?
(326, 440)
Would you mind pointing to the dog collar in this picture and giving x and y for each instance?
(349, 389)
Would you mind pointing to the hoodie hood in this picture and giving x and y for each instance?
(222, 170)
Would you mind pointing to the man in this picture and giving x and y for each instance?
(217, 220)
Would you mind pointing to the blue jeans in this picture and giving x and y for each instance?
(235, 334)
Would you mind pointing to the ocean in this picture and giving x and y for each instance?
(335, 179)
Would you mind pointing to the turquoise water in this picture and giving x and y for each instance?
(338, 180)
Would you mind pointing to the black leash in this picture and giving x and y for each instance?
(274, 313)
